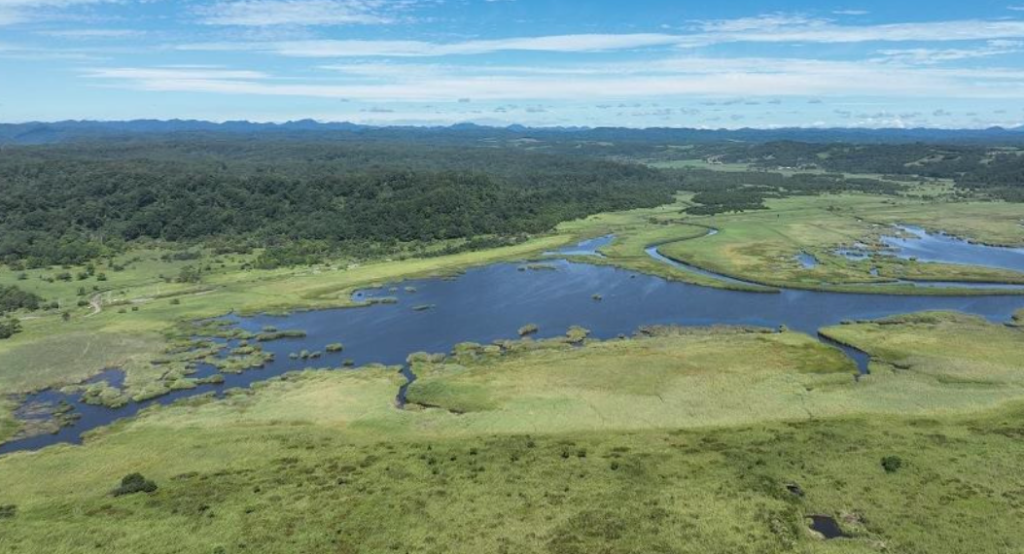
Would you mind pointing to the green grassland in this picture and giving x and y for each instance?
(702, 377)
(544, 446)
(762, 246)
(942, 347)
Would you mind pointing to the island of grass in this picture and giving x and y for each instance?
(677, 440)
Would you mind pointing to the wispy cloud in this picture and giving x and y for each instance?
(93, 33)
(412, 48)
(752, 77)
(784, 28)
(765, 29)
(930, 56)
(266, 13)
(179, 73)
(20, 11)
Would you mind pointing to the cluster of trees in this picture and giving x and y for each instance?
(1001, 176)
(68, 204)
(734, 191)
(13, 299)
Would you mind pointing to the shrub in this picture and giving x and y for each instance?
(9, 327)
(13, 298)
(528, 329)
(134, 483)
(190, 274)
(892, 464)
(8, 511)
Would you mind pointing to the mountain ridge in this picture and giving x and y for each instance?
(41, 132)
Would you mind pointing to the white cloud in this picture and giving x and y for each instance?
(743, 77)
(412, 48)
(93, 33)
(266, 13)
(935, 55)
(764, 29)
(783, 28)
(184, 74)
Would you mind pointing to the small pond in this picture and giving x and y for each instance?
(827, 526)
(807, 261)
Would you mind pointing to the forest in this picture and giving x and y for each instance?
(69, 204)
(300, 201)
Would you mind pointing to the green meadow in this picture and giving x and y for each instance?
(699, 440)
(762, 246)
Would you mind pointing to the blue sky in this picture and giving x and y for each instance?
(642, 63)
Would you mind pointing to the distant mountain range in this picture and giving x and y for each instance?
(35, 133)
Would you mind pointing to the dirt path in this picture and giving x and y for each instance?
(97, 305)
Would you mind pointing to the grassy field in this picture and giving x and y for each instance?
(763, 246)
(946, 348)
(565, 450)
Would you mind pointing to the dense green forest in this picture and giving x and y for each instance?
(68, 204)
(303, 200)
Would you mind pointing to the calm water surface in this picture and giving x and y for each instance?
(928, 247)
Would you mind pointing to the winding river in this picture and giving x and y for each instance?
(491, 303)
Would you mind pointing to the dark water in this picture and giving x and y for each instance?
(827, 526)
(492, 302)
